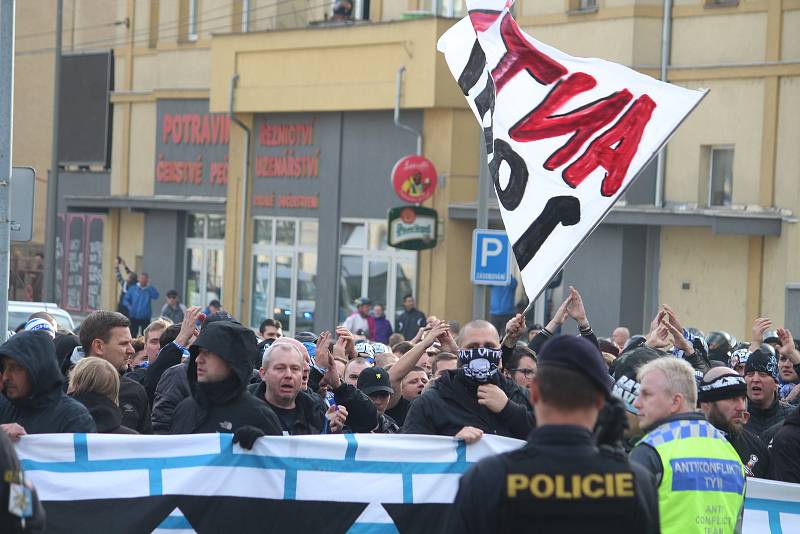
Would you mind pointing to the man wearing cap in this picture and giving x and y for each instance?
(723, 398)
(701, 480)
(40, 323)
(359, 320)
(766, 409)
(374, 382)
(560, 481)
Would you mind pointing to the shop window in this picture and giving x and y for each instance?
(370, 268)
(205, 258)
(720, 176)
(284, 272)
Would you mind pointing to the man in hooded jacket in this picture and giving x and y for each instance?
(474, 399)
(218, 372)
(32, 394)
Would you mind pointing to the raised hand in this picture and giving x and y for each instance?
(575, 307)
(787, 347)
(515, 329)
(658, 338)
(760, 325)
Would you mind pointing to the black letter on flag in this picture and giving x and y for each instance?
(511, 196)
(565, 210)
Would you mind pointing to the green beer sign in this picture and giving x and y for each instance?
(412, 227)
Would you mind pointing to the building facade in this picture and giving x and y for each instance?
(252, 144)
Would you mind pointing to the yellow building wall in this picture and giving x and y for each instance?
(143, 148)
(790, 37)
(721, 39)
(731, 114)
(715, 266)
(333, 68)
(781, 265)
(590, 39)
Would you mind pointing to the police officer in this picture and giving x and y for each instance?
(560, 481)
(701, 479)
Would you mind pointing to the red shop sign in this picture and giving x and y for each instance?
(414, 179)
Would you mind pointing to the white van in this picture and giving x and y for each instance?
(19, 311)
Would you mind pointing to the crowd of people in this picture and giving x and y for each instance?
(197, 370)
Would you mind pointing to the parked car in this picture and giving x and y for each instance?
(19, 311)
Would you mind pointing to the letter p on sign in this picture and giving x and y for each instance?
(491, 258)
(490, 246)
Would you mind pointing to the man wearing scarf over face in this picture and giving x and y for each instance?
(723, 398)
(218, 372)
(475, 398)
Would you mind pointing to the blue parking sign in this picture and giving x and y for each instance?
(491, 258)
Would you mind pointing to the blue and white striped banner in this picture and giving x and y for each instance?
(370, 471)
(365, 483)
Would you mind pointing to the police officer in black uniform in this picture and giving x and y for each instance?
(560, 481)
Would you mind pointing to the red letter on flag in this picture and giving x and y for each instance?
(602, 152)
(521, 55)
(544, 122)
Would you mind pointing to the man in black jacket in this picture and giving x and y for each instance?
(474, 399)
(723, 399)
(33, 401)
(411, 320)
(785, 450)
(218, 373)
(302, 412)
(107, 335)
(766, 409)
(555, 480)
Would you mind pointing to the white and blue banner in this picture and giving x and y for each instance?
(365, 483)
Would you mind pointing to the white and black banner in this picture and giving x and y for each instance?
(354, 483)
(358, 483)
(565, 136)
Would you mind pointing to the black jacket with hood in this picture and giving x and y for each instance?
(784, 448)
(107, 415)
(223, 406)
(47, 409)
(451, 403)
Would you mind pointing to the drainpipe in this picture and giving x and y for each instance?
(666, 46)
(397, 122)
(245, 181)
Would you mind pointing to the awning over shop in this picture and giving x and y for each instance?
(146, 203)
(730, 221)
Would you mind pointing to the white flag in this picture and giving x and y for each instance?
(565, 136)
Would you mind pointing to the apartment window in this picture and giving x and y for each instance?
(370, 268)
(192, 22)
(245, 15)
(721, 3)
(720, 176)
(583, 5)
(205, 258)
(284, 272)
